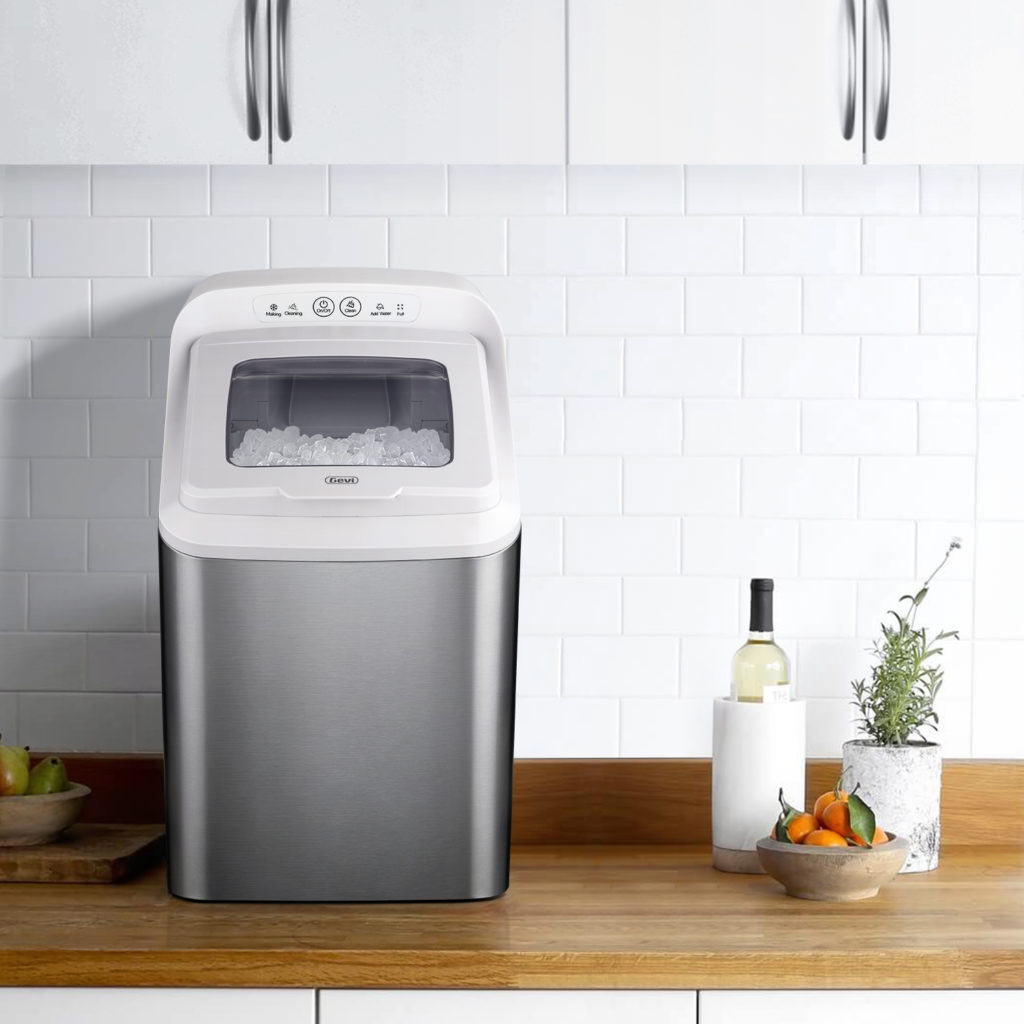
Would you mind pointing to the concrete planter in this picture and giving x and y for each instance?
(902, 786)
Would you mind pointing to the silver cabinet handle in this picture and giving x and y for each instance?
(882, 113)
(284, 117)
(850, 114)
(252, 105)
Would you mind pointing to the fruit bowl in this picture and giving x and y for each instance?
(34, 820)
(832, 873)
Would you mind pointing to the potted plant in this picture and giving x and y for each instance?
(898, 769)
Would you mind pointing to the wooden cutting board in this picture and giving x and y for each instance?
(85, 853)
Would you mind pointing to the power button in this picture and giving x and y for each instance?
(323, 306)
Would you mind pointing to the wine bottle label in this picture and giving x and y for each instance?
(775, 694)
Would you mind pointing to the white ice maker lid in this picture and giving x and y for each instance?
(211, 483)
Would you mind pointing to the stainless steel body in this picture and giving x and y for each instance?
(339, 730)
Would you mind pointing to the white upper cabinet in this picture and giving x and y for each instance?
(131, 81)
(955, 73)
(715, 81)
(418, 81)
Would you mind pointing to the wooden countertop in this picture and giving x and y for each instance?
(580, 916)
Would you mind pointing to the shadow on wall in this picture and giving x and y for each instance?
(81, 425)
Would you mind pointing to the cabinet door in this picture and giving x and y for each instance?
(714, 81)
(878, 1007)
(105, 81)
(414, 81)
(506, 1007)
(956, 86)
(158, 1006)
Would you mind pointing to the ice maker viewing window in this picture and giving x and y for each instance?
(339, 411)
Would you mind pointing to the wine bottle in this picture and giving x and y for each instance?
(760, 668)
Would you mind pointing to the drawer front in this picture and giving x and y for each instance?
(805, 1007)
(445, 1006)
(158, 1005)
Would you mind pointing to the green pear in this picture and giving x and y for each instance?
(49, 776)
(13, 771)
(22, 752)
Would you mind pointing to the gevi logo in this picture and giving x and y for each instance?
(341, 479)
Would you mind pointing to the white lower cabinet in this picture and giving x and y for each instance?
(899, 1007)
(158, 1005)
(448, 1006)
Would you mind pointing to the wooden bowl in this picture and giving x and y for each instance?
(34, 820)
(832, 873)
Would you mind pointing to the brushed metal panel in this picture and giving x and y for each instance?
(339, 731)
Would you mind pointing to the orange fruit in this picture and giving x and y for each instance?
(800, 827)
(824, 837)
(825, 799)
(879, 837)
(836, 817)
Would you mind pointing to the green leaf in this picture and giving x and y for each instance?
(920, 595)
(781, 830)
(862, 819)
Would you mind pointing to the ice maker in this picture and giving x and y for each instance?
(339, 573)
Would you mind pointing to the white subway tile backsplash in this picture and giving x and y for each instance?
(796, 487)
(681, 486)
(90, 367)
(860, 305)
(76, 721)
(580, 727)
(800, 367)
(747, 190)
(84, 488)
(740, 547)
(15, 247)
(802, 245)
(1000, 329)
(90, 247)
(949, 305)
(139, 191)
(42, 661)
(947, 428)
(671, 606)
(921, 487)
(998, 700)
(741, 426)
(848, 549)
(185, 246)
(565, 366)
(44, 308)
(388, 191)
(684, 245)
(949, 189)
(1000, 434)
(860, 190)
(564, 605)
(86, 602)
(279, 189)
(136, 307)
(126, 426)
(742, 305)
(458, 245)
(616, 666)
(636, 190)
(620, 426)
(570, 485)
(42, 544)
(538, 426)
(856, 363)
(566, 245)
(1000, 246)
(617, 546)
(666, 728)
(51, 191)
(920, 245)
(625, 305)
(506, 190)
(683, 365)
(328, 241)
(858, 427)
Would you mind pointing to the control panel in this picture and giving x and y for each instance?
(336, 307)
